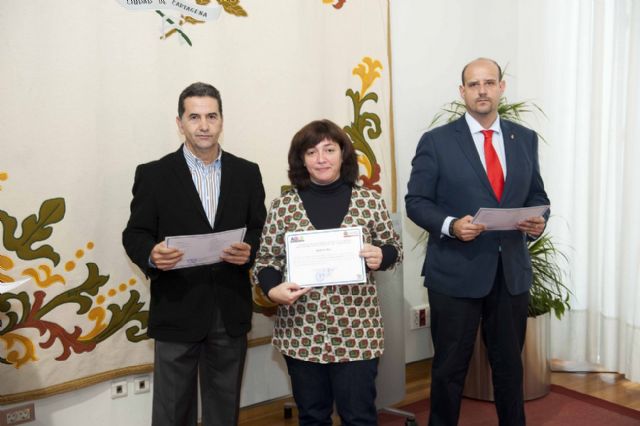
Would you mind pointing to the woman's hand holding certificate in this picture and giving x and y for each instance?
(372, 256)
(287, 293)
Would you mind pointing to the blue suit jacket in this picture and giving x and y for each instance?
(448, 179)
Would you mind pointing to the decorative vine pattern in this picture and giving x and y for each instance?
(22, 312)
(49, 277)
(365, 125)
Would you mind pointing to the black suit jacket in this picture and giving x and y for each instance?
(448, 179)
(166, 203)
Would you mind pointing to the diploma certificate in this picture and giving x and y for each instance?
(506, 219)
(203, 249)
(326, 257)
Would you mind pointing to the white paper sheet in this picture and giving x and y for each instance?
(203, 249)
(506, 219)
(325, 257)
(10, 287)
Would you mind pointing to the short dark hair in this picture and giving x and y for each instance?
(482, 59)
(311, 135)
(199, 90)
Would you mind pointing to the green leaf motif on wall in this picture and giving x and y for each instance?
(34, 229)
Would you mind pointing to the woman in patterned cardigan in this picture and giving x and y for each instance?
(331, 336)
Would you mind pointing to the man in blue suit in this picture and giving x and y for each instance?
(476, 161)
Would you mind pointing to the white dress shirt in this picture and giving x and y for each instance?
(206, 178)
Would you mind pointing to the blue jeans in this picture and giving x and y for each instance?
(351, 385)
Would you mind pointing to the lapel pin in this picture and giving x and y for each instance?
(512, 136)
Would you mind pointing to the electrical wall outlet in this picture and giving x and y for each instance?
(419, 317)
(142, 384)
(119, 389)
(18, 415)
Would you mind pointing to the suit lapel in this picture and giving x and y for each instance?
(226, 173)
(185, 182)
(510, 139)
(465, 141)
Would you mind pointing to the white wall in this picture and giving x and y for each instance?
(431, 41)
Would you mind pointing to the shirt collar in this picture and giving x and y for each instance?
(193, 161)
(476, 127)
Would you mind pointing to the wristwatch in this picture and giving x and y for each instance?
(453, 234)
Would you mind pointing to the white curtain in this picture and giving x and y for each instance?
(592, 166)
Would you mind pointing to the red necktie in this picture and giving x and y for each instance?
(494, 169)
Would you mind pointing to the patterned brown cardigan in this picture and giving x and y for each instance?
(334, 323)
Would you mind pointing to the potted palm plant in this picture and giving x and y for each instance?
(548, 292)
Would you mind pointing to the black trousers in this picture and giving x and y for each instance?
(454, 325)
(218, 361)
(351, 385)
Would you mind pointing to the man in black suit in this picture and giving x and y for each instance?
(479, 160)
(199, 316)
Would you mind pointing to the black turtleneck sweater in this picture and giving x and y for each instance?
(326, 207)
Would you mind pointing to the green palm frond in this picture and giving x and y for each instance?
(548, 292)
(516, 112)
